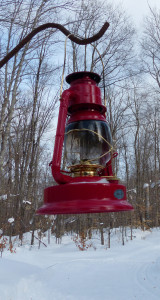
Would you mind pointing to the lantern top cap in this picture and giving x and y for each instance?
(79, 75)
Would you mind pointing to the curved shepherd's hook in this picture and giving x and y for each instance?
(62, 29)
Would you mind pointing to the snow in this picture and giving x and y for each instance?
(153, 184)
(62, 272)
(132, 190)
(146, 185)
(103, 180)
(27, 202)
(11, 220)
(3, 197)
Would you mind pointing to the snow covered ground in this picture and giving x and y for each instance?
(62, 272)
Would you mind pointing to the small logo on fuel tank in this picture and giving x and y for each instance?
(119, 194)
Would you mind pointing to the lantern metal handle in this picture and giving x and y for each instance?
(65, 31)
(57, 154)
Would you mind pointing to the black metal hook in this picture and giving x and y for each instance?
(62, 29)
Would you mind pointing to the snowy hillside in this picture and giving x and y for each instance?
(63, 272)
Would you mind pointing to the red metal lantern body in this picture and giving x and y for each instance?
(83, 169)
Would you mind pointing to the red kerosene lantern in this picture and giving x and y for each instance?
(81, 163)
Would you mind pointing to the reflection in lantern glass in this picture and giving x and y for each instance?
(87, 142)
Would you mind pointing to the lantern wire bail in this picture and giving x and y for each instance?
(104, 88)
(64, 64)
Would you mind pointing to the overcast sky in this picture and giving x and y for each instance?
(138, 8)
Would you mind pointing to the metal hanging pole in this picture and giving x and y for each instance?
(65, 31)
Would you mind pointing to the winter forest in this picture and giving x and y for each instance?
(29, 100)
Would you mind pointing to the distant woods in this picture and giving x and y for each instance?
(29, 94)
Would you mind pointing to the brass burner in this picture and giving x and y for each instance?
(85, 168)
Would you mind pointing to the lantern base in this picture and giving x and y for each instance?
(84, 197)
